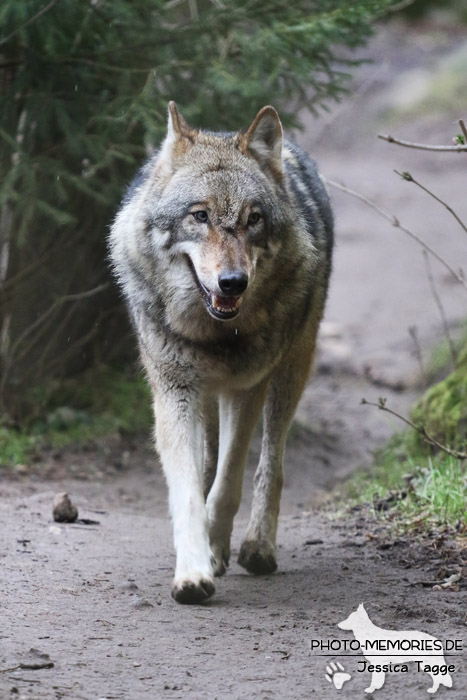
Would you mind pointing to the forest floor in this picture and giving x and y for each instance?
(93, 597)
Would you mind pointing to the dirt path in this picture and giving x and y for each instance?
(95, 598)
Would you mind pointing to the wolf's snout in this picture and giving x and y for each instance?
(232, 282)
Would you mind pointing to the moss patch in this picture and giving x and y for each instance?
(410, 482)
(443, 408)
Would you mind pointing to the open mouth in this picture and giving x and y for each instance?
(220, 307)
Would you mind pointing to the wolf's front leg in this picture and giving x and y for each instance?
(377, 681)
(180, 443)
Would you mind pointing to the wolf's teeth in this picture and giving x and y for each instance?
(216, 304)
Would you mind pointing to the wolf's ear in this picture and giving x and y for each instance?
(179, 137)
(177, 127)
(264, 140)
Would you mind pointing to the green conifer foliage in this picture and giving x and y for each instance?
(84, 87)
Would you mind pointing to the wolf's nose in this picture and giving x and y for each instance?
(233, 282)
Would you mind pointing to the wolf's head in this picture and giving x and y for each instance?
(217, 209)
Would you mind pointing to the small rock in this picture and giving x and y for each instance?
(63, 509)
(129, 585)
(138, 603)
(35, 660)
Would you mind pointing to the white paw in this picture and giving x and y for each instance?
(220, 558)
(336, 674)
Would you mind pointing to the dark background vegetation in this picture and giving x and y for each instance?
(84, 88)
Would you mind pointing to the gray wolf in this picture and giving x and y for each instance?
(222, 248)
(380, 647)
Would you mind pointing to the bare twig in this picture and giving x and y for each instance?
(440, 306)
(83, 340)
(29, 666)
(395, 222)
(408, 177)
(419, 428)
(53, 307)
(59, 324)
(6, 219)
(39, 322)
(418, 351)
(192, 4)
(5, 335)
(5, 238)
(84, 295)
(422, 146)
(464, 129)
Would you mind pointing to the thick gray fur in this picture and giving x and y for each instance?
(268, 218)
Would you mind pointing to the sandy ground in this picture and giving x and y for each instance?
(95, 597)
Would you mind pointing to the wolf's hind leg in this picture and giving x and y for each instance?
(238, 414)
(436, 683)
(258, 551)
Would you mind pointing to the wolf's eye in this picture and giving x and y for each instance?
(200, 216)
(254, 217)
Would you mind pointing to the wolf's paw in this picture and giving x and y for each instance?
(220, 557)
(192, 591)
(257, 557)
(220, 561)
(336, 674)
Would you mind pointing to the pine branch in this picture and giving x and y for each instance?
(29, 21)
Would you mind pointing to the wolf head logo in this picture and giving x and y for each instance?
(393, 649)
(356, 620)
